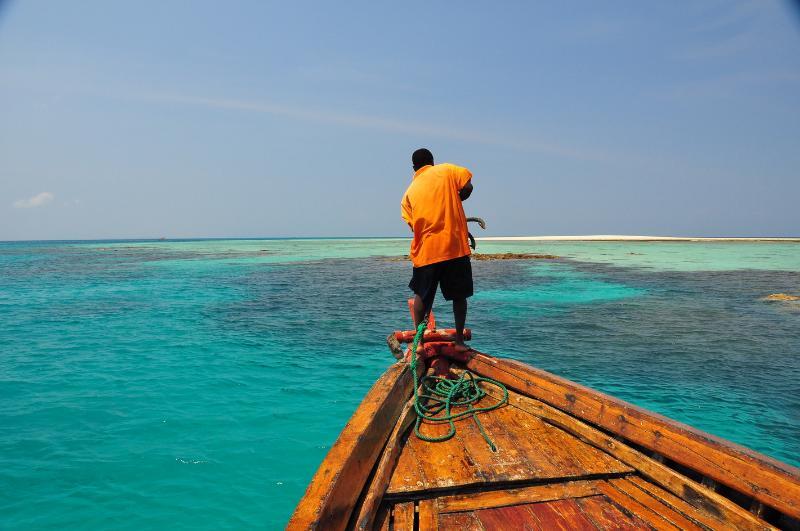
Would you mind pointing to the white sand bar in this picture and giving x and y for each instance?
(626, 238)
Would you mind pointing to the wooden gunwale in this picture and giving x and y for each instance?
(718, 508)
(335, 488)
(767, 480)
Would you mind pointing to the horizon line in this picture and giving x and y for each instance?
(542, 238)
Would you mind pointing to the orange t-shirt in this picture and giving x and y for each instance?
(432, 207)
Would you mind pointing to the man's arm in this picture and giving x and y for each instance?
(465, 192)
(405, 212)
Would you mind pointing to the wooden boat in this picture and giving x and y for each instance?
(567, 457)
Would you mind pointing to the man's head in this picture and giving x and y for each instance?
(421, 157)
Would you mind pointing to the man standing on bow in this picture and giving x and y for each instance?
(440, 250)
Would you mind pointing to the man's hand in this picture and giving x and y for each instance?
(465, 192)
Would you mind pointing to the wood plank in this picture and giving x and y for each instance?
(525, 444)
(384, 469)
(386, 466)
(456, 462)
(571, 456)
(500, 498)
(695, 514)
(637, 509)
(382, 519)
(446, 464)
(704, 500)
(408, 474)
(403, 517)
(424, 466)
(774, 483)
(527, 449)
(337, 484)
(506, 518)
(509, 462)
(605, 515)
(656, 507)
(428, 514)
(564, 515)
(488, 465)
(466, 521)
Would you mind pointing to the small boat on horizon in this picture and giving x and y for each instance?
(565, 457)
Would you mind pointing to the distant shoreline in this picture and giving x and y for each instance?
(623, 238)
(586, 238)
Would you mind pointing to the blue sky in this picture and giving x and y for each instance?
(209, 119)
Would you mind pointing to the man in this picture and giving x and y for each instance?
(440, 250)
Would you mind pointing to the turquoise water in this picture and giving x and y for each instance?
(199, 384)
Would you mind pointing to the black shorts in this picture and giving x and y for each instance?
(454, 275)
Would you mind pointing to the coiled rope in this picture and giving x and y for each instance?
(440, 395)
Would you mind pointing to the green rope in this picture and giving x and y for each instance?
(441, 395)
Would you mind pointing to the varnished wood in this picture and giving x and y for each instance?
(707, 501)
(464, 521)
(604, 514)
(382, 518)
(428, 515)
(696, 514)
(767, 480)
(561, 515)
(335, 488)
(567, 457)
(655, 520)
(500, 498)
(527, 449)
(403, 517)
(505, 518)
(386, 466)
(656, 508)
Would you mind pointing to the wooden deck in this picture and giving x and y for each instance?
(540, 477)
(567, 457)
(528, 451)
(622, 503)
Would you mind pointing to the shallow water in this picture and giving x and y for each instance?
(199, 384)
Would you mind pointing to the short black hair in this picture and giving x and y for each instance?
(422, 157)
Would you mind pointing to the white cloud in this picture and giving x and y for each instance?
(35, 201)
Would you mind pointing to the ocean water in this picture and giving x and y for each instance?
(198, 384)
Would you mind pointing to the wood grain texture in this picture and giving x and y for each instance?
(773, 483)
(560, 515)
(708, 503)
(655, 520)
(428, 515)
(604, 514)
(506, 518)
(695, 514)
(651, 505)
(384, 469)
(335, 488)
(386, 465)
(465, 521)
(527, 449)
(403, 517)
(382, 518)
(505, 497)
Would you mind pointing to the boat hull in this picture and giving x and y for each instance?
(566, 455)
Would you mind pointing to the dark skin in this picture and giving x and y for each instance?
(459, 305)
